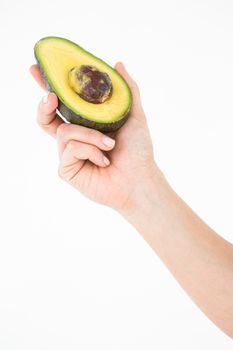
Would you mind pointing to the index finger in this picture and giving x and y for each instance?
(35, 72)
(47, 117)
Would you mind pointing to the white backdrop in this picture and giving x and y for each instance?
(74, 274)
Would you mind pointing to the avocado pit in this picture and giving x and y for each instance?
(90, 84)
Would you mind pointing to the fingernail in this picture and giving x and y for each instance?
(45, 98)
(106, 160)
(107, 141)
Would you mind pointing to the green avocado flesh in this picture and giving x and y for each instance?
(90, 92)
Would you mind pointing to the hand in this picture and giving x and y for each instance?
(106, 170)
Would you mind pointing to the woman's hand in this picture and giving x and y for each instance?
(107, 170)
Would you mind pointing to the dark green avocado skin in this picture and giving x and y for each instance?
(77, 119)
(73, 118)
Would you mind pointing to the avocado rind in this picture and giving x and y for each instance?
(77, 119)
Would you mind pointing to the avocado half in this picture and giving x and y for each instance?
(59, 59)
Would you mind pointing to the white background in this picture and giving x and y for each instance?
(74, 274)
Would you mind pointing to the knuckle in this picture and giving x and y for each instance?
(92, 134)
(89, 132)
(61, 130)
(71, 145)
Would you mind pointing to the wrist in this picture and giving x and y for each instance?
(147, 194)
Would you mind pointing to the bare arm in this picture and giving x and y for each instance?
(200, 260)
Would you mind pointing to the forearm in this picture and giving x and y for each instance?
(200, 260)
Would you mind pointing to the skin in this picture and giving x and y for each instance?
(200, 259)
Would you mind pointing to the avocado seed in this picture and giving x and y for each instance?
(90, 84)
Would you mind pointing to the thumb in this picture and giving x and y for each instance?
(120, 68)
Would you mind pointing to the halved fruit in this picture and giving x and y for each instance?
(90, 92)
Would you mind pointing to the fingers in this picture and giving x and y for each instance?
(35, 72)
(76, 144)
(47, 117)
(68, 132)
(75, 153)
